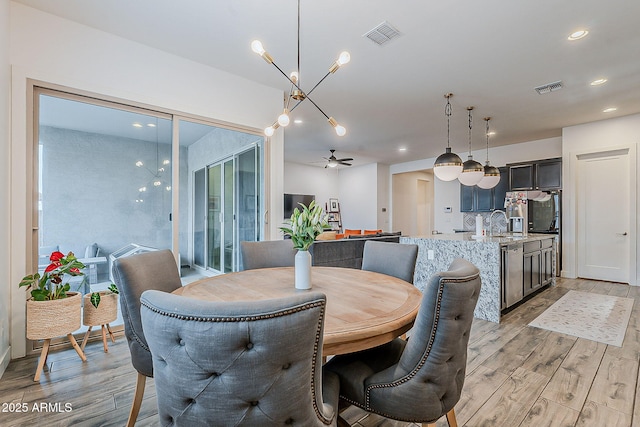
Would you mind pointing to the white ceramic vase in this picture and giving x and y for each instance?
(303, 270)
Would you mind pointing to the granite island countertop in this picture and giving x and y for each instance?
(501, 238)
(436, 252)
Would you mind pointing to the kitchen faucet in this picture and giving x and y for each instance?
(506, 220)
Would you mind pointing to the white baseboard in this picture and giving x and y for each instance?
(4, 360)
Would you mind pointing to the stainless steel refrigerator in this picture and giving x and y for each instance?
(545, 216)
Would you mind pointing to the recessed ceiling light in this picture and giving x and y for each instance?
(577, 35)
(151, 125)
(297, 121)
(598, 82)
(402, 149)
(136, 125)
(609, 110)
(491, 133)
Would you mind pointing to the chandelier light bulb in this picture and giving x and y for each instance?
(156, 183)
(294, 76)
(257, 47)
(271, 129)
(139, 163)
(344, 58)
(142, 189)
(283, 119)
(340, 130)
(166, 162)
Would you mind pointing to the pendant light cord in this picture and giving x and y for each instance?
(487, 133)
(470, 126)
(447, 112)
(298, 42)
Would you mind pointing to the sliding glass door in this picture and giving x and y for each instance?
(232, 209)
(112, 180)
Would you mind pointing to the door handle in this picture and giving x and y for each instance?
(622, 234)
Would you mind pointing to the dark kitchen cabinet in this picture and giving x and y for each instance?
(521, 177)
(532, 270)
(546, 262)
(466, 198)
(476, 199)
(532, 280)
(549, 175)
(537, 265)
(537, 175)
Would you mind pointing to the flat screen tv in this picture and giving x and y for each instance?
(291, 202)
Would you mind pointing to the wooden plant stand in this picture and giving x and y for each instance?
(45, 352)
(105, 328)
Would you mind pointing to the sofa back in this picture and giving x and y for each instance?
(345, 252)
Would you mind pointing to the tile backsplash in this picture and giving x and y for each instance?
(469, 221)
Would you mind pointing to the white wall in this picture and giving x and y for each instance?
(592, 137)
(384, 201)
(57, 51)
(447, 194)
(406, 200)
(305, 179)
(5, 187)
(359, 197)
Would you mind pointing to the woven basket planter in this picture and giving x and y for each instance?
(106, 312)
(54, 318)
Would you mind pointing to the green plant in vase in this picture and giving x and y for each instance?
(305, 225)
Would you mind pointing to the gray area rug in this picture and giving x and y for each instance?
(601, 318)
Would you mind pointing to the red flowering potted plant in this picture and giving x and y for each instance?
(52, 310)
(49, 285)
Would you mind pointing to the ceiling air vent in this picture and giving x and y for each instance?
(383, 33)
(549, 87)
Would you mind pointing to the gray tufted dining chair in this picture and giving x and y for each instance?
(267, 253)
(421, 379)
(393, 259)
(253, 363)
(134, 275)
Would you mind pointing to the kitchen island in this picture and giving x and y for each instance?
(494, 257)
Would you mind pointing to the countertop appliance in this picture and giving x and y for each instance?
(515, 204)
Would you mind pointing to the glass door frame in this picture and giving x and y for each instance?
(237, 201)
(35, 88)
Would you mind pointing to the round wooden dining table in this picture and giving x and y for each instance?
(364, 309)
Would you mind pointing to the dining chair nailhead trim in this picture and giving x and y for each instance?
(423, 359)
(319, 413)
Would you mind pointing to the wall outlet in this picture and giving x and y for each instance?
(430, 254)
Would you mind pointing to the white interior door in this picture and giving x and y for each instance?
(603, 203)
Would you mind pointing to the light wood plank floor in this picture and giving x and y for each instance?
(516, 376)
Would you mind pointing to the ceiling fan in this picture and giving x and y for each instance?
(333, 162)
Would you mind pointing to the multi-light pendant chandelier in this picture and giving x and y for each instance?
(491, 176)
(472, 171)
(296, 93)
(448, 166)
